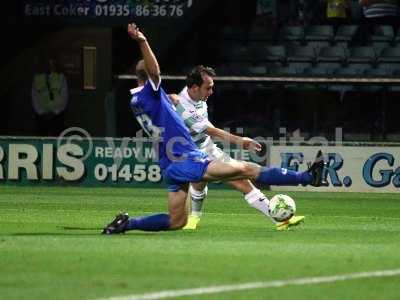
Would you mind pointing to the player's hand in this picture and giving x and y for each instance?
(250, 144)
(135, 33)
(174, 98)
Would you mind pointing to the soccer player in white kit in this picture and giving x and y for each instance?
(192, 106)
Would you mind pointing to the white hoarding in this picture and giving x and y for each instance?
(350, 168)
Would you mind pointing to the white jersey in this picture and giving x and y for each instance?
(195, 116)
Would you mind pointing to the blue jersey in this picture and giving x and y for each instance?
(156, 115)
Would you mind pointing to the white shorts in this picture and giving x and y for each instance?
(215, 153)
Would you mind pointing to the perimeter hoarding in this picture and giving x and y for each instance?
(350, 168)
(79, 161)
(76, 160)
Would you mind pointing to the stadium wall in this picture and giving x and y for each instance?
(77, 159)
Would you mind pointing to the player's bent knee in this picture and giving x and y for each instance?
(245, 169)
(178, 222)
(178, 218)
(198, 195)
(250, 169)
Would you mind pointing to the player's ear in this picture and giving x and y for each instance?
(195, 88)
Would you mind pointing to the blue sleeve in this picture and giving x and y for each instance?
(151, 89)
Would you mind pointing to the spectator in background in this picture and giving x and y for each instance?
(290, 12)
(381, 12)
(314, 11)
(265, 12)
(377, 12)
(49, 100)
(338, 12)
(262, 7)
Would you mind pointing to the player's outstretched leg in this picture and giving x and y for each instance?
(175, 219)
(313, 176)
(255, 198)
(235, 170)
(293, 221)
(123, 222)
(318, 179)
(118, 225)
(316, 169)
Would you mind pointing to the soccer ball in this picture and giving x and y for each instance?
(281, 207)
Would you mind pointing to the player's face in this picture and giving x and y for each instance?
(141, 72)
(206, 89)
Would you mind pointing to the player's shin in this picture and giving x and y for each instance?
(150, 223)
(281, 176)
(259, 201)
(197, 199)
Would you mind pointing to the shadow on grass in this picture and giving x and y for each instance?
(51, 234)
(74, 232)
(78, 228)
(62, 231)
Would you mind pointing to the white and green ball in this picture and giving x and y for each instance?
(282, 207)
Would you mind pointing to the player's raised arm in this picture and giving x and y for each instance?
(151, 64)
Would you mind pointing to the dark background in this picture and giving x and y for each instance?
(206, 36)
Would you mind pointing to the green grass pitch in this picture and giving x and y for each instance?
(51, 247)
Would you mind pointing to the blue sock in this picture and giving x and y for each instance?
(280, 176)
(150, 223)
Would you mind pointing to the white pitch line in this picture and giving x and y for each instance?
(254, 285)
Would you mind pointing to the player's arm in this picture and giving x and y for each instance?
(150, 60)
(174, 99)
(245, 142)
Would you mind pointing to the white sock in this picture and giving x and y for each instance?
(259, 201)
(197, 200)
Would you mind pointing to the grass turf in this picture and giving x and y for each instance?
(50, 246)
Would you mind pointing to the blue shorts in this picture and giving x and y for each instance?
(192, 169)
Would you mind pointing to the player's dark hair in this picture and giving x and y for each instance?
(195, 76)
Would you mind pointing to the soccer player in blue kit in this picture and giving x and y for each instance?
(180, 159)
